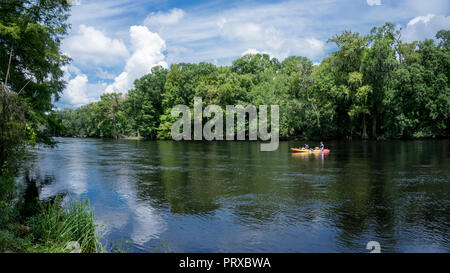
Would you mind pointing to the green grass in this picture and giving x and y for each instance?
(55, 225)
(50, 229)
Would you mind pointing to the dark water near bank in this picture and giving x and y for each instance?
(230, 197)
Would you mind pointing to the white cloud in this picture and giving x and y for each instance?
(68, 70)
(270, 40)
(423, 27)
(309, 47)
(244, 31)
(112, 15)
(104, 75)
(281, 29)
(148, 50)
(428, 6)
(373, 2)
(79, 91)
(316, 47)
(221, 23)
(75, 93)
(90, 45)
(425, 19)
(161, 18)
(253, 52)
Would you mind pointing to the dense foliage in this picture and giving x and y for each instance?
(49, 229)
(30, 71)
(372, 86)
(31, 77)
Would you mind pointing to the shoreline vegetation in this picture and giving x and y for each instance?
(31, 76)
(28, 224)
(372, 87)
(292, 138)
(50, 228)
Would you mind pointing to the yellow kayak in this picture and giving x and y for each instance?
(295, 150)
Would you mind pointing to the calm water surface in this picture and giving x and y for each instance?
(229, 197)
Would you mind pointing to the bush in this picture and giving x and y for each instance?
(55, 225)
(50, 229)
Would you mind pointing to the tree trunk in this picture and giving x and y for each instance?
(405, 134)
(351, 129)
(364, 132)
(2, 128)
(374, 126)
(115, 127)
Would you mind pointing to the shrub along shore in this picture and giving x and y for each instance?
(28, 224)
(50, 230)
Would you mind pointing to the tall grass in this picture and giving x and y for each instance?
(30, 225)
(55, 225)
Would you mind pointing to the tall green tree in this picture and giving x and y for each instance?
(143, 106)
(379, 65)
(31, 60)
(347, 67)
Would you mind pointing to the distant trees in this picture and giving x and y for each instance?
(371, 86)
(143, 107)
(419, 99)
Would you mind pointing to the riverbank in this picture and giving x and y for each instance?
(33, 226)
(292, 138)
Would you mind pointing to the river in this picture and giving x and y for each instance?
(226, 196)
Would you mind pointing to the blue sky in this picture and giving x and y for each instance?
(113, 42)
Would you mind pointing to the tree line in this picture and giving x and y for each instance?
(372, 86)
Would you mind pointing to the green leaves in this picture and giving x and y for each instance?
(30, 35)
(398, 89)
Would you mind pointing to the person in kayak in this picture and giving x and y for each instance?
(306, 147)
(321, 146)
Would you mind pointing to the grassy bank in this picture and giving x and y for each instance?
(44, 227)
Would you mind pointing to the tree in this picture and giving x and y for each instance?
(180, 88)
(444, 37)
(31, 32)
(358, 95)
(379, 64)
(12, 127)
(30, 68)
(143, 105)
(109, 107)
(347, 65)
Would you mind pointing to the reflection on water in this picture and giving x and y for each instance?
(230, 197)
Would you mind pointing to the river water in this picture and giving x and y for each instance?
(166, 196)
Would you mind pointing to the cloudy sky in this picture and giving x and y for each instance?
(113, 42)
